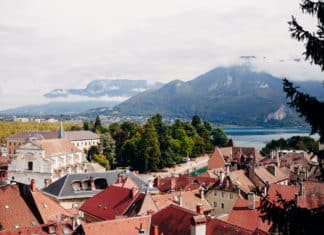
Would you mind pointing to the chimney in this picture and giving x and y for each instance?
(180, 199)
(251, 201)
(202, 193)
(173, 183)
(296, 198)
(265, 189)
(92, 184)
(199, 209)
(198, 225)
(120, 179)
(228, 169)
(75, 222)
(157, 182)
(134, 191)
(33, 185)
(141, 230)
(155, 230)
(221, 177)
(300, 188)
(149, 212)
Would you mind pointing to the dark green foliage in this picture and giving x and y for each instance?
(108, 146)
(287, 218)
(86, 126)
(97, 128)
(219, 137)
(102, 160)
(296, 142)
(308, 106)
(157, 145)
(91, 152)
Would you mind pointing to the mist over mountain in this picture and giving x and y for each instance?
(110, 88)
(235, 95)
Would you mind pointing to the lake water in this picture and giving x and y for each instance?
(258, 137)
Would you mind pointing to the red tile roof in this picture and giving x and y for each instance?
(48, 209)
(15, 210)
(129, 226)
(219, 227)
(113, 201)
(173, 220)
(183, 182)
(286, 192)
(246, 218)
(313, 196)
(216, 161)
(189, 200)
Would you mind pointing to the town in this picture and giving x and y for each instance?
(49, 185)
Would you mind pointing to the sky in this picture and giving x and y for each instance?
(45, 45)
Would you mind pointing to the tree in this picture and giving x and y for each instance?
(219, 137)
(306, 105)
(93, 150)
(102, 160)
(108, 146)
(86, 126)
(195, 121)
(97, 128)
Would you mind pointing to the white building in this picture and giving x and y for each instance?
(3, 151)
(45, 160)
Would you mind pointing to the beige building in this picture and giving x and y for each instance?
(222, 196)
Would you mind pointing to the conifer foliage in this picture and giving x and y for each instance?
(306, 105)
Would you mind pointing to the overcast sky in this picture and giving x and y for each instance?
(46, 45)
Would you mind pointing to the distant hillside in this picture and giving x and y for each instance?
(111, 88)
(57, 108)
(235, 95)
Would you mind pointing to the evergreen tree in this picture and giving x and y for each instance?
(86, 126)
(97, 128)
(219, 137)
(306, 105)
(196, 121)
(108, 146)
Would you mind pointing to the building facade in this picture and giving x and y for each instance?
(45, 160)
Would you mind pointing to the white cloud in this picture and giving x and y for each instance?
(45, 45)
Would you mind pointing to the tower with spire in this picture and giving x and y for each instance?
(61, 133)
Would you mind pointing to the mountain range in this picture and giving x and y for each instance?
(234, 95)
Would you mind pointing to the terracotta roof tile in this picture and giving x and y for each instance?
(189, 200)
(48, 209)
(129, 226)
(56, 146)
(183, 182)
(14, 207)
(246, 218)
(216, 161)
(173, 220)
(112, 202)
(219, 227)
(266, 176)
(240, 179)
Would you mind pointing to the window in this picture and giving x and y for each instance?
(222, 205)
(231, 196)
(223, 194)
(215, 204)
(30, 166)
(215, 193)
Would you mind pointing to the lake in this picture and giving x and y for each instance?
(258, 137)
